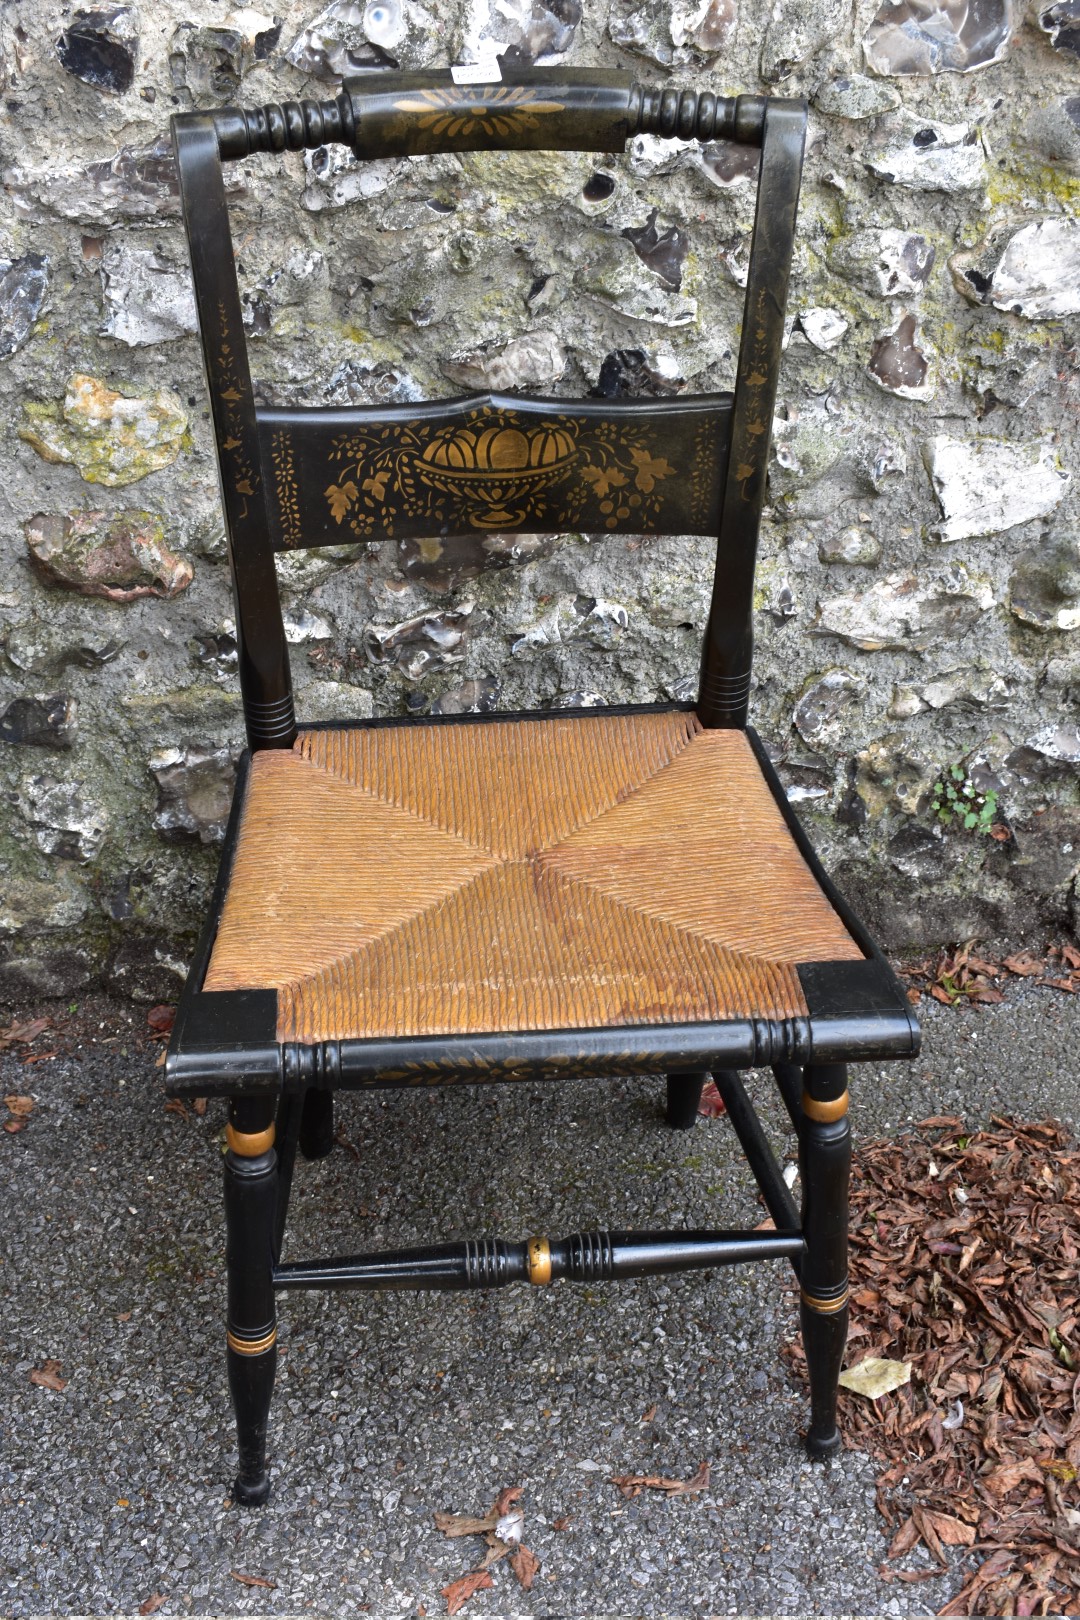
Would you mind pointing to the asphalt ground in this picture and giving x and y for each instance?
(114, 1491)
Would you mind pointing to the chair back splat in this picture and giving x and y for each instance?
(576, 893)
(694, 466)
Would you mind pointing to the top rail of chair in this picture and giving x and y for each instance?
(547, 109)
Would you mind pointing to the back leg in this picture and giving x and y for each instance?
(317, 1125)
(683, 1095)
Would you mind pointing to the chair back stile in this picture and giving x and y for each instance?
(687, 466)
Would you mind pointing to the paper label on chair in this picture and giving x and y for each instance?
(488, 72)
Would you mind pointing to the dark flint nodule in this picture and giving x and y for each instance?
(626, 374)
(99, 48)
(598, 187)
(46, 722)
(895, 359)
(23, 285)
(663, 251)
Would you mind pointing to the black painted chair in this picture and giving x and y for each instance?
(592, 893)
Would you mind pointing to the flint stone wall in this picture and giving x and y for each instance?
(919, 592)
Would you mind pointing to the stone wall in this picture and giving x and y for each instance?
(919, 594)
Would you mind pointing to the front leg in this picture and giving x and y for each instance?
(825, 1158)
(250, 1209)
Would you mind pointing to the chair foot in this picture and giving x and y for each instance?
(821, 1447)
(252, 1493)
(317, 1125)
(683, 1095)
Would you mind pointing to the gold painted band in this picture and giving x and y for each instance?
(825, 1307)
(251, 1347)
(538, 1261)
(248, 1145)
(824, 1112)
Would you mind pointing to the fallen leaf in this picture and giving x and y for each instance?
(632, 1485)
(953, 1532)
(152, 1604)
(561, 1523)
(525, 1566)
(14, 1126)
(48, 1377)
(1023, 964)
(22, 1034)
(161, 1019)
(506, 1499)
(253, 1580)
(19, 1106)
(710, 1104)
(465, 1524)
(649, 1413)
(458, 1593)
(876, 1376)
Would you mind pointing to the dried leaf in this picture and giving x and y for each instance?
(525, 1566)
(161, 1019)
(710, 1104)
(253, 1580)
(876, 1376)
(152, 1604)
(464, 1524)
(953, 1532)
(48, 1377)
(649, 1413)
(1023, 964)
(458, 1593)
(20, 1107)
(22, 1034)
(633, 1484)
(505, 1500)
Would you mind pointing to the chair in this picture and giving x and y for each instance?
(626, 891)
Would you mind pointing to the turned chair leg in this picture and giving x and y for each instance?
(317, 1125)
(825, 1163)
(683, 1095)
(251, 1190)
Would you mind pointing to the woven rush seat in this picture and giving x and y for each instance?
(518, 875)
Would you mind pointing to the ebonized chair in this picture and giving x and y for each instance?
(481, 898)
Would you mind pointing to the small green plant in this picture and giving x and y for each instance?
(957, 801)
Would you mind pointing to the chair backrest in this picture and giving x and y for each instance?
(310, 477)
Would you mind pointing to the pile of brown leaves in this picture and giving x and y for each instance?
(965, 1256)
(962, 976)
(501, 1529)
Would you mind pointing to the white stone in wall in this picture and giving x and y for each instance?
(904, 611)
(146, 299)
(335, 178)
(823, 327)
(922, 155)
(886, 263)
(1039, 273)
(988, 485)
(533, 360)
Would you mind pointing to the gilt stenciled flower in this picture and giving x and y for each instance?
(504, 109)
(604, 479)
(650, 469)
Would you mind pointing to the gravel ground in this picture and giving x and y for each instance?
(114, 1490)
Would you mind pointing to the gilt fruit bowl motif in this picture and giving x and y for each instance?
(495, 469)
